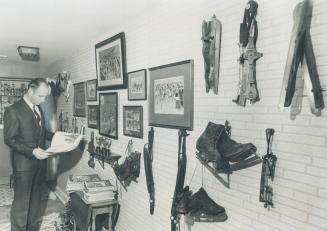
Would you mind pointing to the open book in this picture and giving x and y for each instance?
(98, 186)
(64, 142)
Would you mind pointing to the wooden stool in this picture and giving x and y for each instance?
(85, 212)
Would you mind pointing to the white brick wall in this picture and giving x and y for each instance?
(171, 32)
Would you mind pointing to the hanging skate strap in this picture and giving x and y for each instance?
(148, 159)
(269, 137)
(270, 157)
(150, 142)
(268, 171)
(174, 218)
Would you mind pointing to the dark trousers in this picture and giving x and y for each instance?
(28, 209)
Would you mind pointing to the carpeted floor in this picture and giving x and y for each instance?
(51, 218)
(6, 195)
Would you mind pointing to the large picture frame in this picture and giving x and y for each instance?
(171, 96)
(91, 90)
(108, 114)
(133, 121)
(110, 58)
(137, 89)
(93, 116)
(79, 100)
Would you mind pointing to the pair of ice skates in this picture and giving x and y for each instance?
(216, 146)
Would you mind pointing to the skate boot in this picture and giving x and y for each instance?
(233, 151)
(200, 201)
(203, 216)
(207, 145)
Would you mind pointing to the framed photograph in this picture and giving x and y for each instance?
(79, 100)
(110, 57)
(133, 121)
(108, 114)
(91, 90)
(92, 116)
(171, 95)
(137, 85)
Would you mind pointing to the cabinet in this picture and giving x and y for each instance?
(11, 90)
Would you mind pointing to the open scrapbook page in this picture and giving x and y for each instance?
(64, 142)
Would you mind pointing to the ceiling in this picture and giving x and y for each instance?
(59, 27)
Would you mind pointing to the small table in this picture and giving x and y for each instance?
(91, 210)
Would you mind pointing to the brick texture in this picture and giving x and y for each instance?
(171, 32)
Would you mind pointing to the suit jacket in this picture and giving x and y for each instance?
(22, 134)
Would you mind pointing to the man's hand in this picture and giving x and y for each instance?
(40, 154)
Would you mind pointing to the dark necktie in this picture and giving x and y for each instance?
(38, 118)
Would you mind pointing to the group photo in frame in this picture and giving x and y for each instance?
(108, 114)
(110, 58)
(92, 116)
(91, 90)
(171, 95)
(133, 121)
(137, 89)
(79, 100)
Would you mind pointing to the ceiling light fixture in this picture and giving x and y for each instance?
(29, 53)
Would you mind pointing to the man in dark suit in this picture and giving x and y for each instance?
(24, 132)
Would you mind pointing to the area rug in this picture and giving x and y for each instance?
(50, 222)
(6, 195)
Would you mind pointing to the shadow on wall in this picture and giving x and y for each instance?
(58, 165)
(69, 160)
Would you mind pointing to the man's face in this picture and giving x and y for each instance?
(37, 96)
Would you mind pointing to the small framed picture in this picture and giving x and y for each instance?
(79, 100)
(133, 121)
(91, 90)
(108, 114)
(110, 57)
(92, 116)
(137, 85)
(171, 95)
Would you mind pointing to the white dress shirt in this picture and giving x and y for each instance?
(31, 105)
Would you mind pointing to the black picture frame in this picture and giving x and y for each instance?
(91, 90)
(110, 59)
(79, 109)
(108, 114)
(171, 95)
(93, 116)
(133, 121)
(137, 85)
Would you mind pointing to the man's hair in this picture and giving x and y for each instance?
(35, 83)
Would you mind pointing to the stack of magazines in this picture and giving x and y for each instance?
(76, 183)
(97, 191)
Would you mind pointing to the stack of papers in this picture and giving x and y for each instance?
(98, 191)
(76, 183)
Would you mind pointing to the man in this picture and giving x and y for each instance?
(24, 132)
